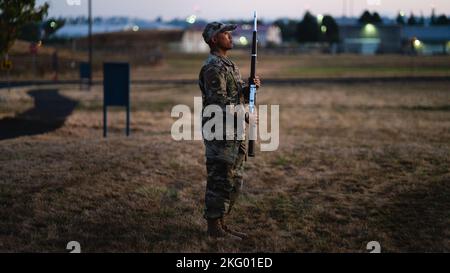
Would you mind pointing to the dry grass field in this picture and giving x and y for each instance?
(356, 163)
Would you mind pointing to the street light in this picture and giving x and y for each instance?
(370, 30)
(417, 44)
(191, 19)
(319, 19)
(243, 40)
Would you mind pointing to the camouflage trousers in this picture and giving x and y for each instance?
(225, 167)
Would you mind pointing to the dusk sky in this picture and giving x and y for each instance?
(234, 9)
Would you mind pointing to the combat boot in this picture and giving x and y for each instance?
(239, 234)
(215, 230)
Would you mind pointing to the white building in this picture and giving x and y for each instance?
(192, 41)
(266, 35)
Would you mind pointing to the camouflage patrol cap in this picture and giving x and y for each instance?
(213, 28)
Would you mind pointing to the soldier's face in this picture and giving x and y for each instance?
(224, 40)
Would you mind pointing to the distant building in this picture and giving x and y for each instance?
(426, 40)
(192, 40)
(370, 39)
(267, 35)
(79, 29)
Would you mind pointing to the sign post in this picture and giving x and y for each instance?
(33, 51)
(116, 91)
(7, 65)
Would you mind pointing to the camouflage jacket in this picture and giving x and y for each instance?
(221, 82)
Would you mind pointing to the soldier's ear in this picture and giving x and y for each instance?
(214, 40)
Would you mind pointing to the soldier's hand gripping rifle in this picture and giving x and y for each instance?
(252, 95)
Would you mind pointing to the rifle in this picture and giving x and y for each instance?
(252, 96)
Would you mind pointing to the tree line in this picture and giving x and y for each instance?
(325, 29)
(310, 29)
(412, 20)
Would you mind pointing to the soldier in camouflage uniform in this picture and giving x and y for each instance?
(221, 84)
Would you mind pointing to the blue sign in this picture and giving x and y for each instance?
(85, 75)
(85, 71)
(116, 90)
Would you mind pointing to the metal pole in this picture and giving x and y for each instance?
(33, 63)
(90, 41)
(8, 79)
(105, 120)
(128, 120)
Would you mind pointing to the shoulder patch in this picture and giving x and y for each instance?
(213, 78)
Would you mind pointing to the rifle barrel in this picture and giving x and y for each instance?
(252, 100)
